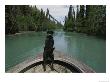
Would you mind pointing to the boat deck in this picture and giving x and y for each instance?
(62, 64)
(57, 69)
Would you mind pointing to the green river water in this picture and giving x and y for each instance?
(88, 49)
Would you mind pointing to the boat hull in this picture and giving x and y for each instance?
(62, 64)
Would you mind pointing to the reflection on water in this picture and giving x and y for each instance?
(60, 42)
(88, 49)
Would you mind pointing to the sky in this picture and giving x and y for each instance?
(57, 11)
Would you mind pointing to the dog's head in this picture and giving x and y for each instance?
(50, 33)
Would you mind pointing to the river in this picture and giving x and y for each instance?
(88, 49)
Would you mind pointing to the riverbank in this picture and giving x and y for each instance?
(101, 36)
(19, 33)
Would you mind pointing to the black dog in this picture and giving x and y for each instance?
(48, 56)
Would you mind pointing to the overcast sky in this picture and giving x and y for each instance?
(57, 11)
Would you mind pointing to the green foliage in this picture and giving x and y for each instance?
(96, 19)
(70, 20)
(80, 18)
(27, 18)
(90, 19)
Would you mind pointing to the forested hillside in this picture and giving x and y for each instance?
(90, 19)
(27, 18)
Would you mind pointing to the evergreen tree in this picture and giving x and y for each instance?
(90, 19)
(47, 13)
(70, 12)
(69, 21)
(74, 19)
(96, 19)
(80, 26)
(27, 18)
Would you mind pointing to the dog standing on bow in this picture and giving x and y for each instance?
(48, 56)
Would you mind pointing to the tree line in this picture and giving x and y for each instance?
(90, 19)
(27, 18)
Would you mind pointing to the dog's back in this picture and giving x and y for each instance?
(48, 50)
